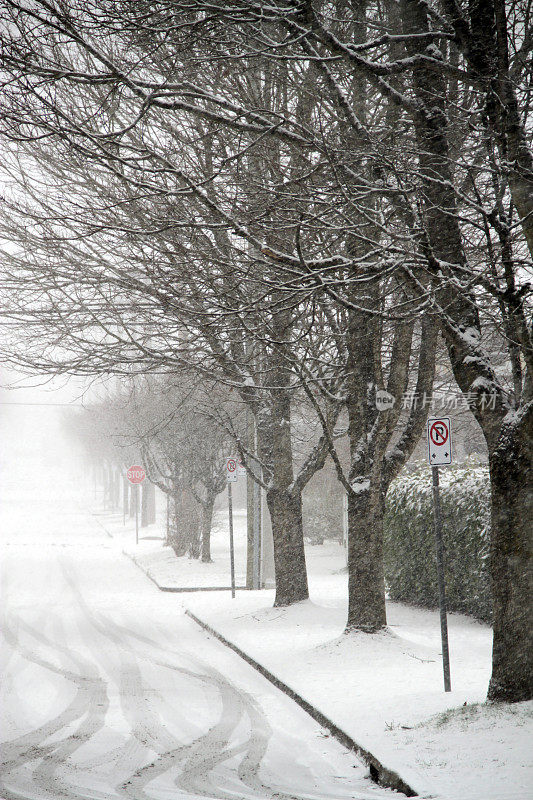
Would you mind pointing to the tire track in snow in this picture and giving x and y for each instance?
(146, 725)
(147, 730)
(210, 749)
(224, 762)
(200, 757)
(261, 731)
(45, 774)
(203, 755)
(88, 705)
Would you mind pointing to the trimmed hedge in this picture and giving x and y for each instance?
(409, 546)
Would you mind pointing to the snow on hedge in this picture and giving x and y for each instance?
(410, 569)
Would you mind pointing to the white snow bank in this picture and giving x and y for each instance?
(371, 686)
(386, 691)
(486, 748)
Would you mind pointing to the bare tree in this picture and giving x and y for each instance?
(429, 180)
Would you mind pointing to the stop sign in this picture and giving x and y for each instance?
(136, 474)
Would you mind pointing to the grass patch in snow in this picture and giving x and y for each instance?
(483, 714)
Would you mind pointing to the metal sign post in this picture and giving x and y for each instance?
(136, 475)
(257, 535)
(231, 474)
(167, 541)
(440, 453)
(137, 514)
(440, 580)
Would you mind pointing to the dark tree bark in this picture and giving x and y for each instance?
(148, 504)
(366, 584)
(177, 539)
(125, 496)
(285, 509)
(116, 489)
(207, 523)
(511, 563)
(284, 500)
(366, 592)
(133, 494)
(483, 40)
(374, 462)
(151, 504)
(144, 504)
(250, 506)
(190, 523)
(108, 485)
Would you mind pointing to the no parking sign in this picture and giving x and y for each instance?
(439, 441)
(231, 469)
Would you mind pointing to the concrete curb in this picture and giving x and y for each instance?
(176, 589)
(101, 524)
(181, 589)
(378, 772)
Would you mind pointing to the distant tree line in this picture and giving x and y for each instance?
(178, 435)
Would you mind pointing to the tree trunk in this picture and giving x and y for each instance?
(107, 487)
(250, 506)
(366, 585)
(144, 504)
(284, 497)
(116, 489)
(285, 509)
(366, 581)
(207, 522)
(148, 504)
(190, 523)
(512, 580)
(485, 46)
(177, 540)
(151, 511)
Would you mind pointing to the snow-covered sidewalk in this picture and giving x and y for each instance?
(161, 564)
(385, 691)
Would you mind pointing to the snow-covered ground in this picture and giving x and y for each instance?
(160, 562)
(385, 691)
(108, 690)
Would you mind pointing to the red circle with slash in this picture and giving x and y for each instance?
(439, 433)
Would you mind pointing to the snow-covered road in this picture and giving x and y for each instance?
(110, 691)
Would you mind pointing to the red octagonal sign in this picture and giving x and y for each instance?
(136, 474)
